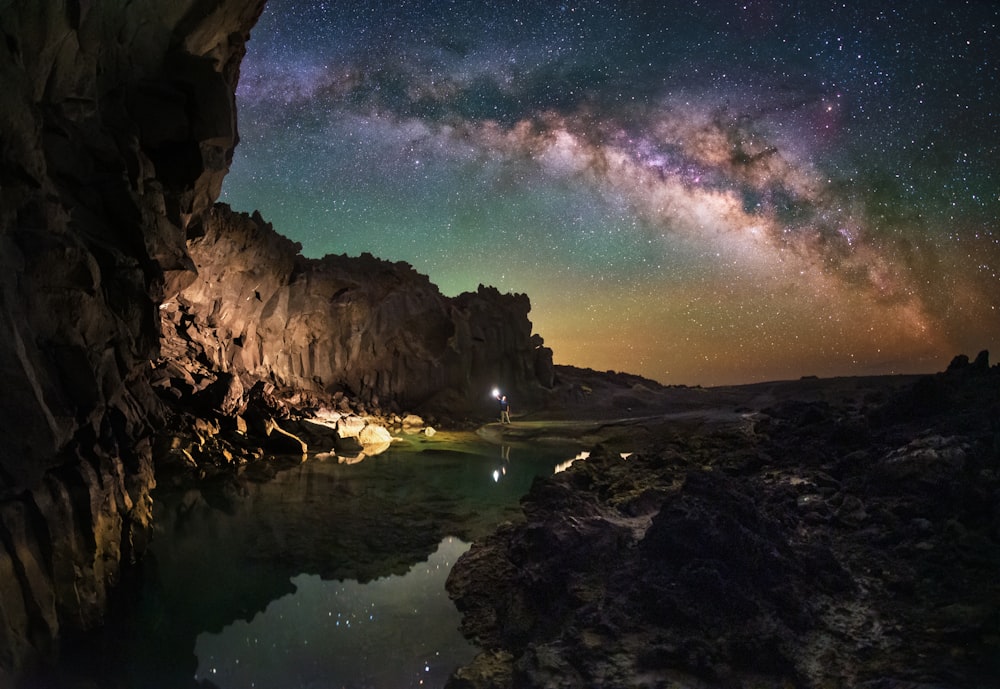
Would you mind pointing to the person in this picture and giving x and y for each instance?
(504, 409)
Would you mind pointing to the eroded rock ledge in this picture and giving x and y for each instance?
(377, 332)
(258, 340)
(839, 540)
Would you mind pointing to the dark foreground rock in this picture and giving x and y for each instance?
(830, 542)
(118, 126)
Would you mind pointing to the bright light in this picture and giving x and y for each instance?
(496, 392)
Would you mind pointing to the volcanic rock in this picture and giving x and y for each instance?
(118, 127)
(362, 327)
(831, 542)
(373, 434)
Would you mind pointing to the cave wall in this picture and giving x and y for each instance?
(117, 126)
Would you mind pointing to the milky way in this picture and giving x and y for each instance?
(702, 193)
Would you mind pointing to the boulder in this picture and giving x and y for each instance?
(373, 434)
(348, 446)
(317, 434)
(411, 421)
(350, 426)
(280, 441)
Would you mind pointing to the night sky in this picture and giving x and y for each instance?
(702, 193)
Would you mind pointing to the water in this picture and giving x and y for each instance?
(342, 633)
(323, 575)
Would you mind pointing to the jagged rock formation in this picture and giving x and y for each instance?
(839, 534)
(117, 124)
(376, 331)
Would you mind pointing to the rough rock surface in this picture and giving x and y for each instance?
(117, 125)
(375, 331)
(829, 542)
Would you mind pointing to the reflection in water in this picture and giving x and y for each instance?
(336, 633)
(501, 470)
(256, 567)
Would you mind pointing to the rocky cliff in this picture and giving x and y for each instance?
(377, 332)
(117, 127)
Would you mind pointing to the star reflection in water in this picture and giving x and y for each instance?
(340, 633)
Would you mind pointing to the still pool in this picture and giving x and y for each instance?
(320, 574)
(394, 631)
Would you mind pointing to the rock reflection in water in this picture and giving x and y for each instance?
(233, 549)
(340, 633)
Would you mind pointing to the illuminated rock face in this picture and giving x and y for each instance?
(378, 331)
(118, 125)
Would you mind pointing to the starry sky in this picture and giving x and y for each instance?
(704, 192)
